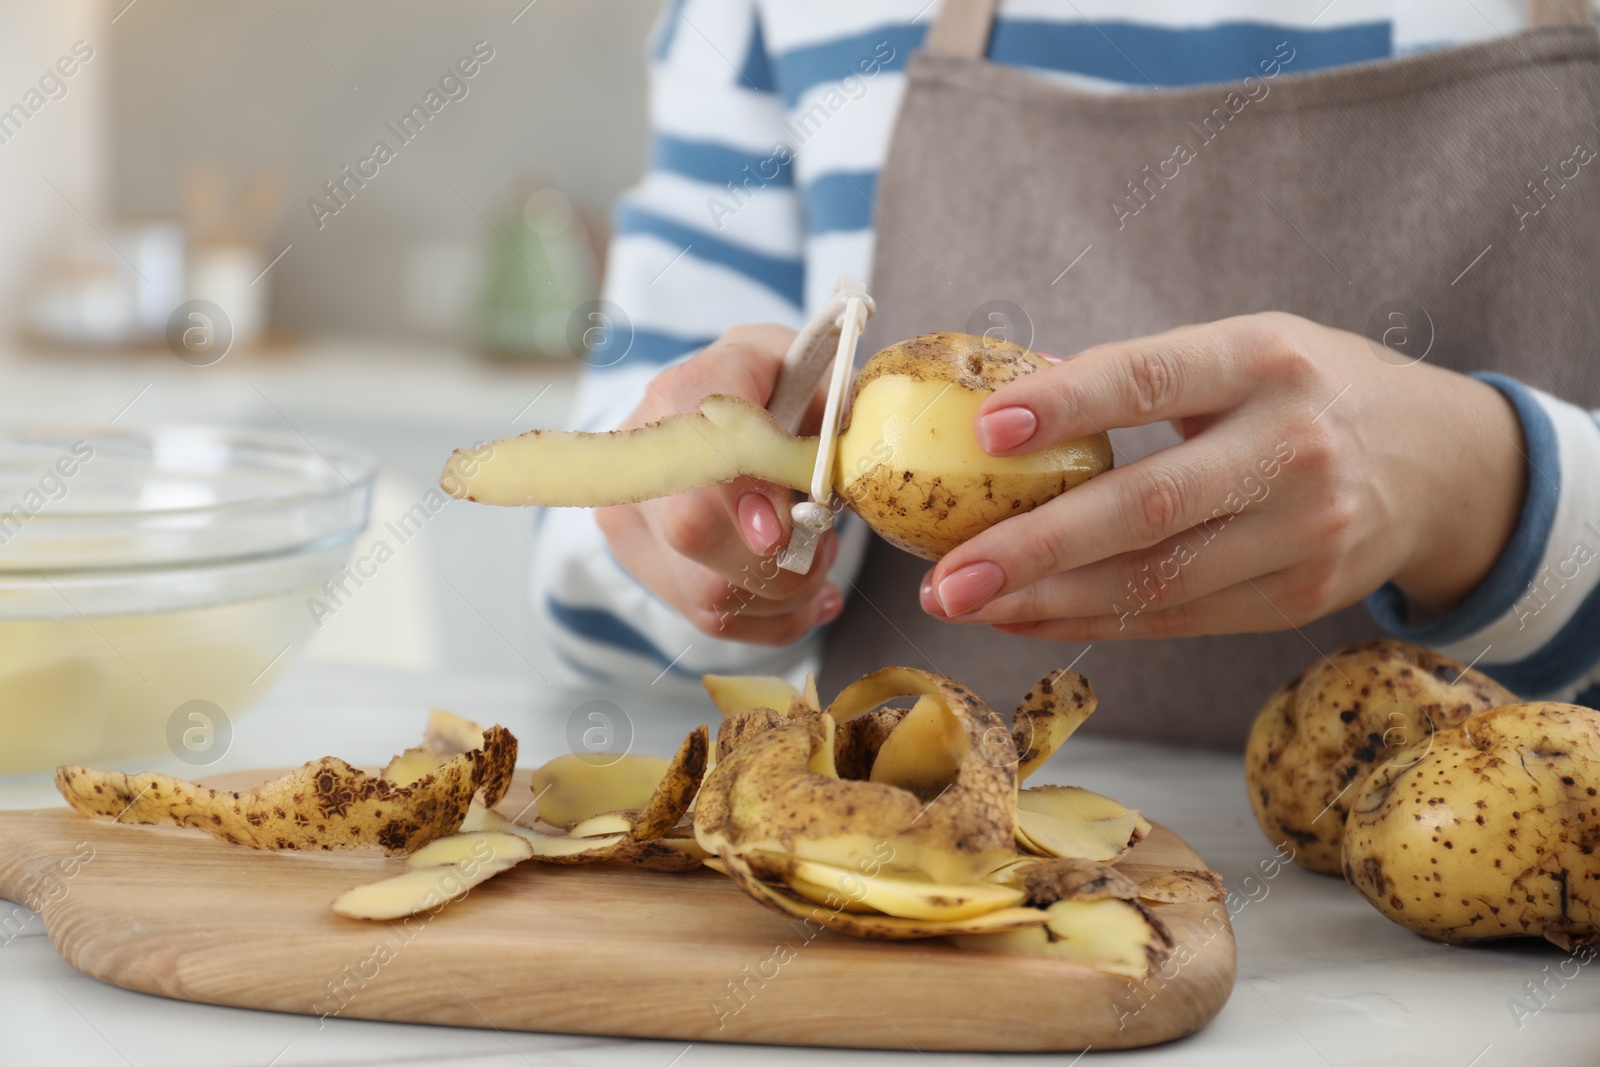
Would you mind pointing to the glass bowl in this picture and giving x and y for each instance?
(154, 583)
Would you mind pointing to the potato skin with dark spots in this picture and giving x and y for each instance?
(1492, 831)
(922, 504)
(981, 364)
(945, 512)
(1323, 732)
(326, 804)
(763, 796)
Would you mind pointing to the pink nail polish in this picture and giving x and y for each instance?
(1052, 359)
(1006, 428)
(762, 531)
(832, 608)
(970, 587)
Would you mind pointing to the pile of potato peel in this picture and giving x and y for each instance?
(867, 819)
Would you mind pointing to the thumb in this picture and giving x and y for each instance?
(760, 512)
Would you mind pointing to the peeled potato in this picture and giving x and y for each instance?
(909, 464)
(907, 461)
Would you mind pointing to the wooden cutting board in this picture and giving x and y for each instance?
(585, 950)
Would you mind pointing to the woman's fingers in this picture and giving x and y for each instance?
(1181, 569)
(1186, 372)
(712, 554)
(734, 531)
(744, 363)
(1195, 484)
(1257, 605)
(726, 527)
(754, 602)
(1196, 375)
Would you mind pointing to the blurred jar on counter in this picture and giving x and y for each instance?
(542, 268)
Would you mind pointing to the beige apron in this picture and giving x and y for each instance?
(1445, 179)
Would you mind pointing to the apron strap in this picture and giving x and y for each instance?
(1560, 13)
(962, 26)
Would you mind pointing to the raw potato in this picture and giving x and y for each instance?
(907, 461)
(1491, 831)
(1321, 734)
(326, 804)
(671, 853)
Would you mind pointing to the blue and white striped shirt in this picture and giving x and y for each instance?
(770, 122)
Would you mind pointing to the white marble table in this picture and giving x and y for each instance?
(1323, 979)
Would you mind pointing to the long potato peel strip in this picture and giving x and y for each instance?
(727, 438)
(326, 804)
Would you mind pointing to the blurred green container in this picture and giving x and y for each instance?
(542, 268)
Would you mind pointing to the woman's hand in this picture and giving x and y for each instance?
(1312, 471)
(711, 554)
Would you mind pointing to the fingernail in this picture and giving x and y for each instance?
(1005, 429)
(759, 523)
(970, 587)
(832, 606)
(929, 602)
(1052, 359)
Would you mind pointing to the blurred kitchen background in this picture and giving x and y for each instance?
(163, 151)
